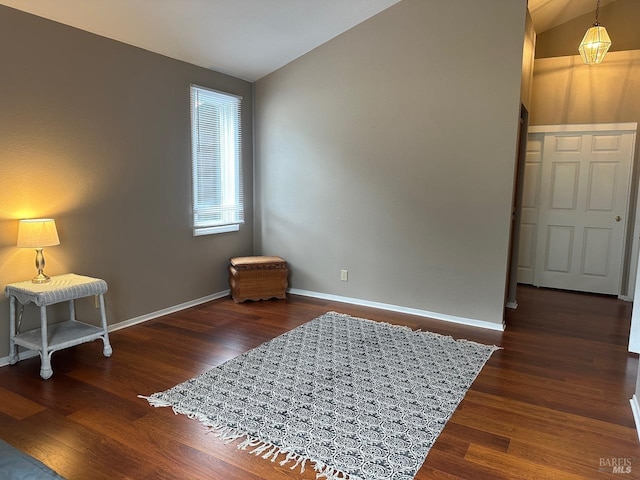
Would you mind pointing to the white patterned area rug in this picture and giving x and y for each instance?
(358, 399)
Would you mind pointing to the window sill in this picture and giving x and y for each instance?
(197, 232)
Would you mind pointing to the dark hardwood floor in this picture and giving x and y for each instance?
(553, 404)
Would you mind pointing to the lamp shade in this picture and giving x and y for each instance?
(37, 233)
(595, 45)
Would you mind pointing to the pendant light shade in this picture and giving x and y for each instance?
(595, 43)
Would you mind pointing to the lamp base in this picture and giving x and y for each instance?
(41, 278)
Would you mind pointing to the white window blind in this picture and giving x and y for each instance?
(216, 158)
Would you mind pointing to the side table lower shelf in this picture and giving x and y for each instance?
(62, 335)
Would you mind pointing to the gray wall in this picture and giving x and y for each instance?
(390, 151)
(96, 134)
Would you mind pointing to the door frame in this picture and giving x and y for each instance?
(629, 268)
(511, 300)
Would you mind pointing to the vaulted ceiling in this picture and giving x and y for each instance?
(547, 14)
(247, 38)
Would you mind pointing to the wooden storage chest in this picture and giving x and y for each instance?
(258, 278)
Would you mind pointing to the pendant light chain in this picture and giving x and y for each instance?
(597, 12)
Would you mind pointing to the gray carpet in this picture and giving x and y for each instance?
(17, 465)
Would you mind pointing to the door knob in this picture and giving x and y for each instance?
(617, 218)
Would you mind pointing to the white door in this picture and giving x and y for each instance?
(583, 207)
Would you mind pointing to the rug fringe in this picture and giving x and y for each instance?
(266, 450)
(400, 327)
(156, 402)
(269, 451)
(419, 330)
(299, 459)
(329, 472)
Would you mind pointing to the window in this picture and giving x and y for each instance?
(216, 159)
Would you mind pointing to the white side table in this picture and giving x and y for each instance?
(50, 338)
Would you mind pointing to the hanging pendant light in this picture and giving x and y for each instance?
(596, 42)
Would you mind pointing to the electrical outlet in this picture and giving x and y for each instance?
(344, 275)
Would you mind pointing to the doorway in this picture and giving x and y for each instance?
(575, 206)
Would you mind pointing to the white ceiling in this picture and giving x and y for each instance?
(244, 38)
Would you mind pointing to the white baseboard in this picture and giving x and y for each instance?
(166, 311)
(4, 361)
(635, 408)
(396, 308)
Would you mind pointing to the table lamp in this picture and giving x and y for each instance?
(38, 233)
